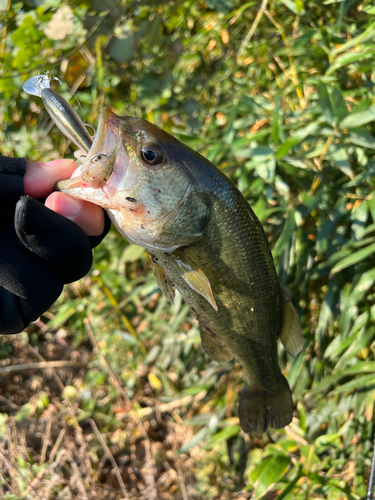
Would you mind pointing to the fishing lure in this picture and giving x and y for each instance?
(60, 111)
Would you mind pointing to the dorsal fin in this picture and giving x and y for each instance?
(291, 333)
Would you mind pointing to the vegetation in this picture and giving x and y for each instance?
(280, 94)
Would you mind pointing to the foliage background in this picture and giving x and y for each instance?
(280, 95)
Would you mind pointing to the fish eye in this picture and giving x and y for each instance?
(97, 157)
(152, 155)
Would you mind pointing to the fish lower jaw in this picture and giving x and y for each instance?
(96, 196)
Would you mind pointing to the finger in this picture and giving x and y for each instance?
(88, 216)
(62, 245)
(40, 178)
(40, 289)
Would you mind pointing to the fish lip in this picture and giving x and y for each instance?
(107, 133)
(104, 141)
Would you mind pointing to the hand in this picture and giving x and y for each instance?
(40, 250)
(39, 182)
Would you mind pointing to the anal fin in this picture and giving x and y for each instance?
(291, 334)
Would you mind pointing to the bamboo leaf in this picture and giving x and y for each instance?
(325, 103)
(354, 120)
(338, 103)
(346, 59)
(354, 258)
(367, 34)
(362, 137)
(223, 435)
(366, 382)
(295, 139)
(272, 472)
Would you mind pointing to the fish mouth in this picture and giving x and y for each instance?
(104, 147)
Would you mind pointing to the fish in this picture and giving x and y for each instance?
(205, 241)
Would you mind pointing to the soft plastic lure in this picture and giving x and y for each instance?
(60, 111)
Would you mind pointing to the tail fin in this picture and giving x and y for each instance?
(260, 409)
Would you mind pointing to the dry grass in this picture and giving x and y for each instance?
(48, 451)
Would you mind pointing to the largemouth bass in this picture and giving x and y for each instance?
(205, 241)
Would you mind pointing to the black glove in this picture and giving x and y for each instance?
(40, 251)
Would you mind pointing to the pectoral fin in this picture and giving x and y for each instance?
(163, 282)
(291, 334)
(194, 276)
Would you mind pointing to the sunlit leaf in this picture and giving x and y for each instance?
(272, 472)
(295, 139)
(350, 58)
(354, 120)
(367, 34)
(362, 137)
(354, 258)
(295, 6)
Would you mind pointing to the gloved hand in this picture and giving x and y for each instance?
(40, 251)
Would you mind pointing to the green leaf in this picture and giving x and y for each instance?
(354, 120)
(324, 441)
(291, 484)
(296, 139)
(223, 435)
(340, 156)
(338, 103)
(354, 258)
(122, 47)
(65, 312)
(367, 34)
(266, 169)
(351, 296)
(325, 103)
(222, 6)
(296, 366)
(358, 368)
(361, 383)
(198, 437)
(327, 309)
(350, 58)
(132, 253)
(361, 137)
(276, 122)
(286, 234)
(361, 340)
(296, 6)
(272, 472)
